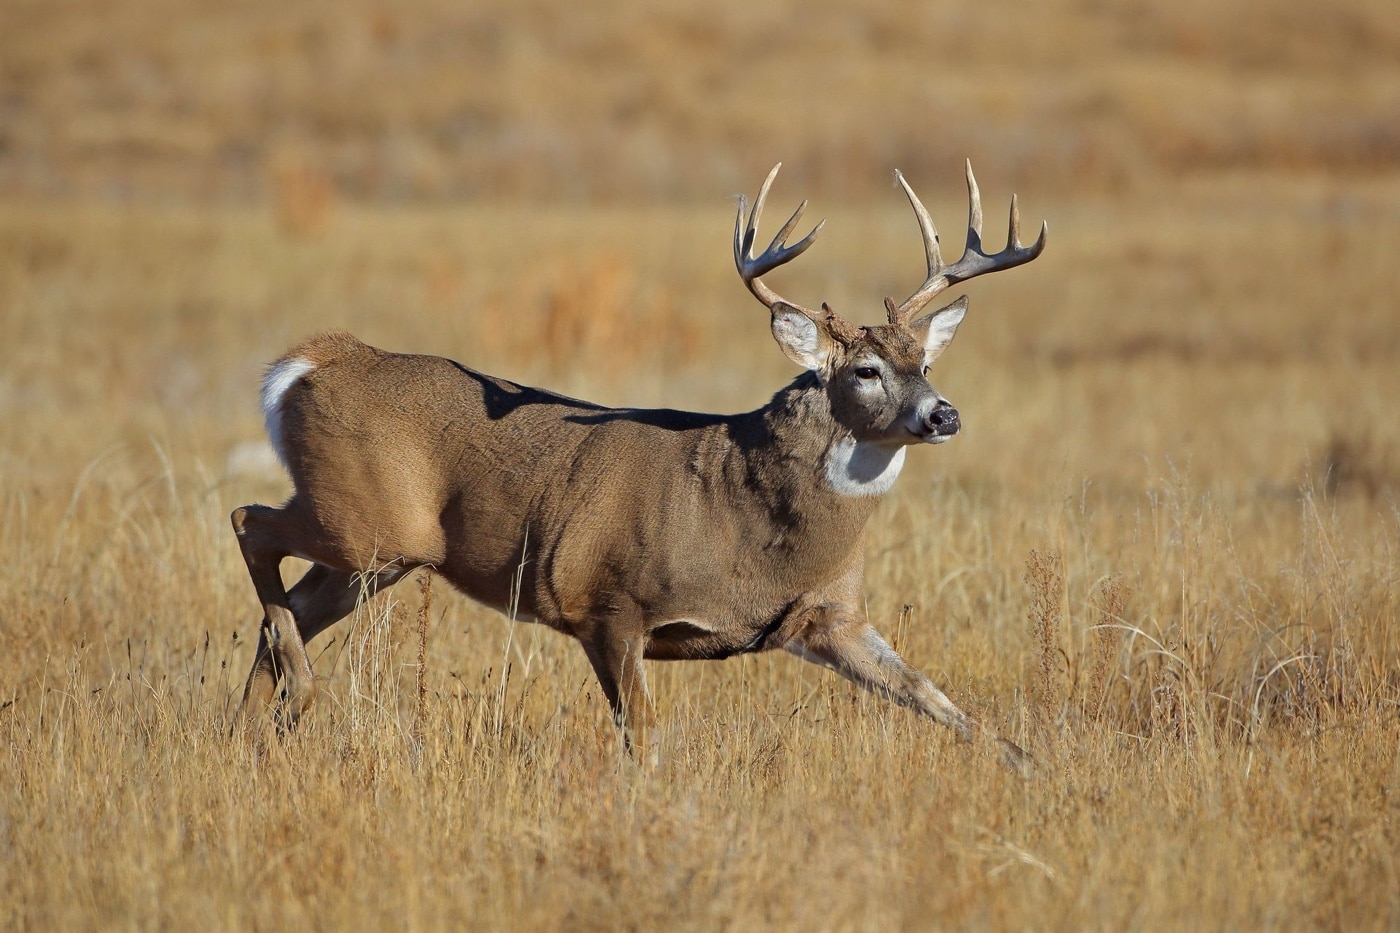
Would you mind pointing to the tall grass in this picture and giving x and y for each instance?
(1197, 726)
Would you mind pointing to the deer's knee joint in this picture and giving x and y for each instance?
(825, 619)
(301, 693)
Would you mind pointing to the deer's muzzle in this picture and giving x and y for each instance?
(941, 421)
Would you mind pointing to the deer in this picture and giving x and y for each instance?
(643, 534)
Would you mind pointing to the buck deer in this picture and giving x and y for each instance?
(644, 534)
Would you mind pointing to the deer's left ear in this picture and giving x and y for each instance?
(936, 330)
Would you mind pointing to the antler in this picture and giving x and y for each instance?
(777, 253)
(973, 263)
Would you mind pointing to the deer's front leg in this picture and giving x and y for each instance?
(616, 656)
(851, 647)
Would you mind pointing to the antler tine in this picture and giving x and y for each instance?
(929, 233)
(974, 261)
(751, 230)
(780, 238)
(1015, 237)
(778, 252)
(974, 206)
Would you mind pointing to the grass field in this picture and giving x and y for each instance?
(1163, 556)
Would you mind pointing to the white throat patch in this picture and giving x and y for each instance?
(855, 468)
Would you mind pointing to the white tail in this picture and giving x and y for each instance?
(276, 381)
(646, 534)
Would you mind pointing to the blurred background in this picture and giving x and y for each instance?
(437, 102)
(545, 190)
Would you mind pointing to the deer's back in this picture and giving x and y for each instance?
(418, 458)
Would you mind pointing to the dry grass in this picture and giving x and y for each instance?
(1163, 556)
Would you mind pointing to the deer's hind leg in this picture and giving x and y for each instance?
(320, 598)
(266, 536)
(323, 596)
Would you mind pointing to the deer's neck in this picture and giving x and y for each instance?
(816, 458)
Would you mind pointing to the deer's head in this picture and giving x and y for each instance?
(876, 377)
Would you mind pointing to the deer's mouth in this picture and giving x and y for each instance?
(931, 437)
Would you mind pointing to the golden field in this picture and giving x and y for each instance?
(1163, 556)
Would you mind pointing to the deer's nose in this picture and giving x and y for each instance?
(942, 419)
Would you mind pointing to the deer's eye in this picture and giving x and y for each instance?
(925, 369)
(867, 372)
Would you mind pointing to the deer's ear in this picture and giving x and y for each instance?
(936, 330)
(802, 340)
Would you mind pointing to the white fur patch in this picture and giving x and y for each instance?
(276, 381)
(854, 468)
